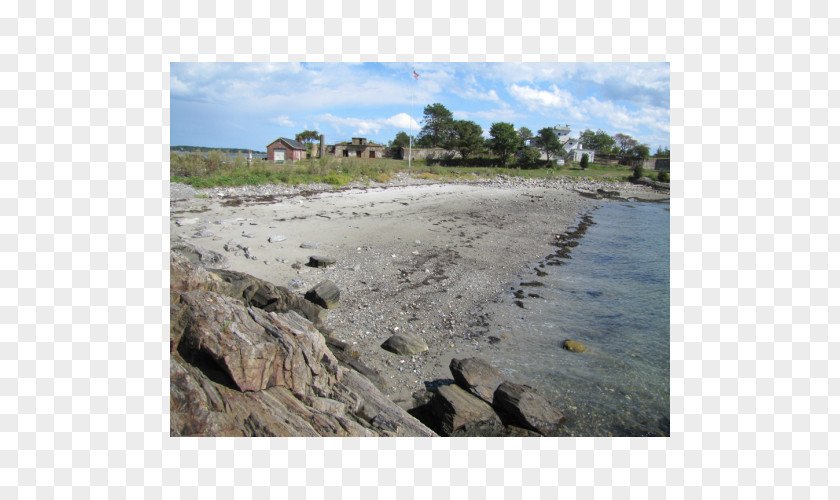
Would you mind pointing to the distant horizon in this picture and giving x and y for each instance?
(214, 105)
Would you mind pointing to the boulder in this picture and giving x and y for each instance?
(405, 344)
(477, 377)
(455, 409)
(324, 294)
(276, 239)
(571, 345)
(520, 406)
(320, 261)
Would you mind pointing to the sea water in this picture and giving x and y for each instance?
(612, 295)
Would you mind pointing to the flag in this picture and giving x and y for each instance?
(416, 76)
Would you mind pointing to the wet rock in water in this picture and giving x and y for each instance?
(571, 345)
(477, 377)
(521, 406)
(514, 431)
(493, 340)
(320, 261)
(405, 344)
(310, 244)
(276, 239)
(324, 294)
(456, 409)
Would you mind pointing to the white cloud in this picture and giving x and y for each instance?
(178, 87)
(366, 126)
(282, 120)
(535, 98)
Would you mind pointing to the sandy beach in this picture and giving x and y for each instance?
(436, 260)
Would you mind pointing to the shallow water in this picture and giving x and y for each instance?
(613, 296)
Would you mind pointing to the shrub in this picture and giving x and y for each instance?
(663, 176)
(584, 162)
(638, 171)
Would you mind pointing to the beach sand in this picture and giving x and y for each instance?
(436, 260)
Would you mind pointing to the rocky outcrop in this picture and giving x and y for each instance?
(521, 406)
(240, 370)
(198, 255)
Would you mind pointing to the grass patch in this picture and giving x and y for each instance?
(211, 171)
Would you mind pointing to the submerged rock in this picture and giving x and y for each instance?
(571, 345)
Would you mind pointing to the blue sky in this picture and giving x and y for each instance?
(248, 105)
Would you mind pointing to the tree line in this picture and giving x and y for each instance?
(440, 129)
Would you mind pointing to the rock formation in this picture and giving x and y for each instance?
(240, 369)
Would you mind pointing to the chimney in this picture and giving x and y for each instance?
(321, 148)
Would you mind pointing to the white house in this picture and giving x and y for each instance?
(574, 151)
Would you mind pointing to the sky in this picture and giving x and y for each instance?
(249, 105)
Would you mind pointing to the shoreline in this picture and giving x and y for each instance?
(426, 258)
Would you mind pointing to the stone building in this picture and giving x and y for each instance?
(359, 147)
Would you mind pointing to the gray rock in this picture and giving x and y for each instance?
(324, 294)
(200, 256)
(521, 406)
(233, 246)
(246, 234)
(276, 239)
(457, 409)
(203, 233)
(405, 344)
(477, 377)
(186, 222)
(310, 244)
(320, 261)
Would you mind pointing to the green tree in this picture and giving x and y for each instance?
(307, 136)
(467, 137)
(625, 143)
(437, 125)
(640, 152)
(528, 157)
(400, 141)
(504, 141)
(584, 161)
(599, 141)
(548, 142)
(524, 133)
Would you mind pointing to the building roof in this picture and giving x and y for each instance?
(289, 142)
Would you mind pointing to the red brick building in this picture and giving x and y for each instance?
(285, 150)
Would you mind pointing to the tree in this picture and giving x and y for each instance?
(640, 152)
(437, 125)
(662, 153)
(307, 136)
(584, 161)
(548, 142)
(599, 141)
(467, 137)
(524, 133)
(400, 141)
(528, 157)
(625, 143)
(504, 141)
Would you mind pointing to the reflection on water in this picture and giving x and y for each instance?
(613, 296)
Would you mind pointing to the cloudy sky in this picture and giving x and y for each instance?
(245, 105)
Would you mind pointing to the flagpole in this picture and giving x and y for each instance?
(411, 118)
